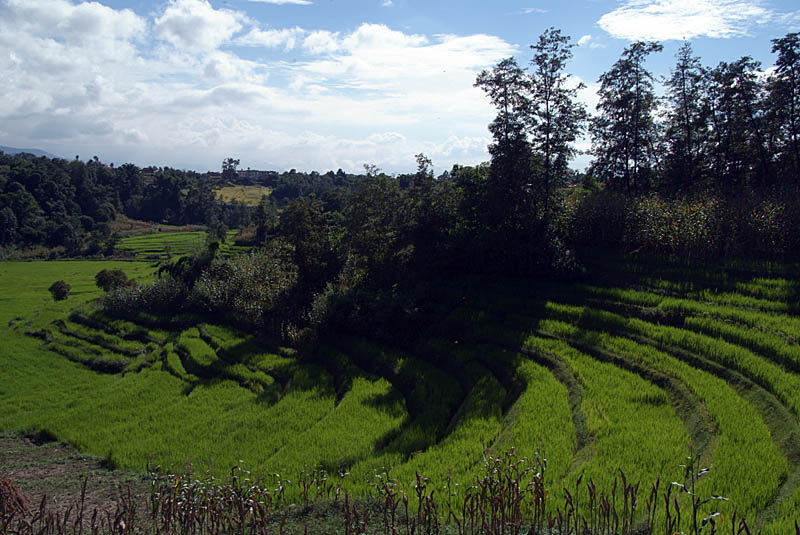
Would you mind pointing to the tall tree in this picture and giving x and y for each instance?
(510, 196)
(229, 166)
(306, 225)
(785, 99)
(555, 117)
(686, 123)
(624, 133)
(736, 103)
(8, 226)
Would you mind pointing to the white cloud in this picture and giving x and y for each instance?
(387, 3)
(530, 10)
(282, 2)
(589, 41)
(588, 95)
(85, 78)
(685, 19)
(376, 57)
(195, 25)
(224, 66)
(286, 38)
(379, 37)
(322, 42)
(73, 24)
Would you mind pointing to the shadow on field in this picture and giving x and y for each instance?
(390, 403)
(793, 296)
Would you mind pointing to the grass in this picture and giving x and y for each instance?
(749, 481)
(541, 421)
(629, 419)
(593, 377)
(162, 244)
(370, 410)
(249, 195)
(166, 245)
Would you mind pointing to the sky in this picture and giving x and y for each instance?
(318, 84)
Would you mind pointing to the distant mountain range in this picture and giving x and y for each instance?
(35, 152)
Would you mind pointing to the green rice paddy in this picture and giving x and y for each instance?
(596, 378)
(165, 245)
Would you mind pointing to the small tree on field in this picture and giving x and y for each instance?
(110, 279)
(60, 290)
(229, 166)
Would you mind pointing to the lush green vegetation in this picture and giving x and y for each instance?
(160, 245)
(166, 245)
(593, 378)
(403, 332)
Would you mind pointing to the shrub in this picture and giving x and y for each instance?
(701, 228)
(109, 279)
(253, 290)
(165, 295)
(60, 290)
(598, 219)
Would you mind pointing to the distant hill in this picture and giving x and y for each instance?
(35, 152)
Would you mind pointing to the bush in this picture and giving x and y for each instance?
(110, 279)
(165, 295)
(253, 290)
(60, 290)
(701, 228)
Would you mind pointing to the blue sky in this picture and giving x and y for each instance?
(317, 84)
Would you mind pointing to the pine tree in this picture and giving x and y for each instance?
(785, 103)
(555, 118)
(687, 119)
(624, 134)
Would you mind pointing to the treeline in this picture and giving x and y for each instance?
(367, 259)
(709, 170)
(712, 172)
(70, 205)
(730, 129)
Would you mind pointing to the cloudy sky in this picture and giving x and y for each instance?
(315, 84)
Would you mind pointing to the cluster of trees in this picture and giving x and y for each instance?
(721, 147)
(363, 258)
(710, 170)
(361, 252)
(726, 129)
(71, 204)
(54, 202)
(538, 120)
(729, 129)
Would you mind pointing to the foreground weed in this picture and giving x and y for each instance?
(508, 497)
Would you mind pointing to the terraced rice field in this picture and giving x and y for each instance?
(163, 245)
(623, 374)
(249, 195)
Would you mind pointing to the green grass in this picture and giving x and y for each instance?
(165, 245)
(162, 244)
(460, 453)
(541, 421)
(595, 378)
(349, 433)
(249, 195)
(630, 421)
(750, 481)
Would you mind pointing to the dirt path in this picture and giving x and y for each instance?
(56, 471)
